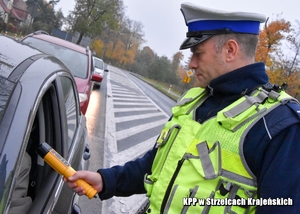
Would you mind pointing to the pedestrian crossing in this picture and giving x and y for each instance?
(134, 117)
(133, 122)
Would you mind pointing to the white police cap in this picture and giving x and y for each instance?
(204, 22)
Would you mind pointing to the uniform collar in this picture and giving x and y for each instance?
(240, 81)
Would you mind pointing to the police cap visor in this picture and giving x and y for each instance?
(192, 41)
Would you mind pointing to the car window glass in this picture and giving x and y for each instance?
(6, 65)
(46, 127)
(70, 103)
(6, 88)
(9, 96)
(77, 62)
(99, 64)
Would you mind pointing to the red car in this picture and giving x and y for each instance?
(77, 58)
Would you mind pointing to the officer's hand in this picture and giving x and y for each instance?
(93, 178)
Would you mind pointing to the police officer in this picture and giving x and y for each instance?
(233, 142)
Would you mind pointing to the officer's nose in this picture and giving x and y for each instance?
(193, 64)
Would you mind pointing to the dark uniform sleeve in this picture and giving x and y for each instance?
(272, 151)
(128, 179)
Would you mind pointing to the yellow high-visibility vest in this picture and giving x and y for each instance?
(201, 168)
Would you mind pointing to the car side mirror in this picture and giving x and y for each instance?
(92, 65)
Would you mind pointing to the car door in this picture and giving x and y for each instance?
(36, 119)
(59, 123)
(65, 130)
(77, 149)
(48, 126)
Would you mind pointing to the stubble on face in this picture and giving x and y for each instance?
(207, 63)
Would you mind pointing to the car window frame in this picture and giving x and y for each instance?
(64, 113)
(8, 112)
(53, 93)
(51, 181)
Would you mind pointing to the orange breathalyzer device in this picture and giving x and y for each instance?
(60, 165)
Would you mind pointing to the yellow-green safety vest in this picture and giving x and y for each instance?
(201, 168)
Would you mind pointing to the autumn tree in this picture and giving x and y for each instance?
(97, 46)
(177, 58)
(59, 19)
(117, 50)
(179, 70)
(175, 63)
(143, 59)
(291, 62)
(89, 17)
(160, 69)
(270, 40)
(118, 46)
(47, 19)
(295, 47)
(132, 38)
(121, 43)
(181, 73)
(110, 36)
(272, 50)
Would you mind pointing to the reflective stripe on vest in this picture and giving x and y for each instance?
(206, 161)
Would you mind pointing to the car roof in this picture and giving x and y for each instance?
(60, 42)
(9, 59)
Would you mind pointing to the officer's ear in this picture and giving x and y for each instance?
(231, 49)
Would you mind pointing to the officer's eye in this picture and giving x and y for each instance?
(198, 53)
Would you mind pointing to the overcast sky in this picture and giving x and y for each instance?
(164, 25)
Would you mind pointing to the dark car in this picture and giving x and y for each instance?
(38, 103)
(77, 58)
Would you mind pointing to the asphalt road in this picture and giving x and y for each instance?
(164, 102)
(124, 118)
(95, 116)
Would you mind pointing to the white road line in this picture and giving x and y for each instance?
(111, 155)
(133, 104)
(116, 99)
(137, 129)
(117, 110)
(133, 96)
(110, 145)
(121, 88)
(124, 92)
(133, 153)
(137, 117)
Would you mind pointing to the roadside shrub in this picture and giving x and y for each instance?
(13, 29)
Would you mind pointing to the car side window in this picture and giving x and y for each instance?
(46, 128)
(34, 173)
(70, 104)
